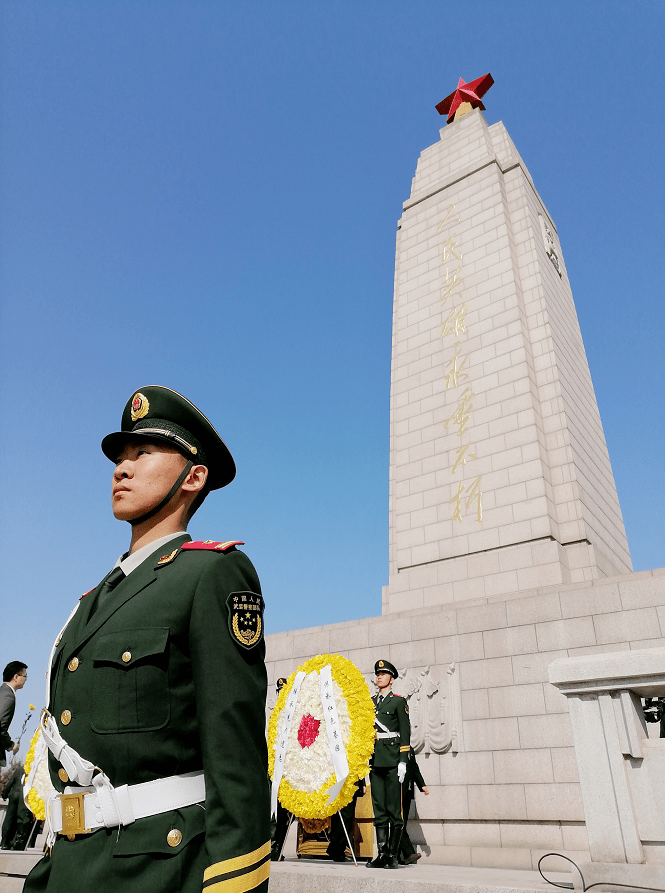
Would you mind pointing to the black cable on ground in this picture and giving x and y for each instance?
(562, 886)
(584, 886)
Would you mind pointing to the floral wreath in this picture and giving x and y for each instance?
(38, 786)
(308, 765)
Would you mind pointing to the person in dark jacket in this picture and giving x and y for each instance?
(12, 793)
(18, 818)
(13, 680)
(413, 779)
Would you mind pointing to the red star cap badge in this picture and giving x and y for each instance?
(470, 92)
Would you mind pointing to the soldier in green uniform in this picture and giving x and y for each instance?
(388, 766)
(157, 686)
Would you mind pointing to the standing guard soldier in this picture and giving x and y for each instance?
(157, 686)
(388, 766)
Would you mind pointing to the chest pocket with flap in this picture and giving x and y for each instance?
(130, 688)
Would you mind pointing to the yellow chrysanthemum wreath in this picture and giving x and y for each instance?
(34, 801)
(359, 744)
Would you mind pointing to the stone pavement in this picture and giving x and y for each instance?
(319, 876)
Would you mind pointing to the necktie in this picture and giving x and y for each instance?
(378, 703)
(108, 586)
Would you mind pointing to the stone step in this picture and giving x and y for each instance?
(310, 876)
(14, 867)
(11, 884)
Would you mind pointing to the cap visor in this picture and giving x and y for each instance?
(113, 443)
(218, 477)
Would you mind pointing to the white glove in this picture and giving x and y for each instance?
(401, 772)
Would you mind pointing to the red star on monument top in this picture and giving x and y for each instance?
(470, 93)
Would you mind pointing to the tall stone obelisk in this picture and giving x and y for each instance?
(500, 479)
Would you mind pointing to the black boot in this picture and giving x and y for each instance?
(382, 846)
(393, 847)
(20, 840)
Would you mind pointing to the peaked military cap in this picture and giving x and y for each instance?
(384, 666)
(158, 413)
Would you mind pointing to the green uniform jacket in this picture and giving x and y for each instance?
(157, 684)
(394, 715)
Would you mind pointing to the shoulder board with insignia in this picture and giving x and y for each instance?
(395, 695)
(86, 593)
(213, 545)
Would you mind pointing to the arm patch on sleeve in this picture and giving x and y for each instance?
(246, 618)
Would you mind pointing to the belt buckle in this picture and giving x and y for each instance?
(73, 815)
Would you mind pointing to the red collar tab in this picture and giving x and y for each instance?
(212, 545)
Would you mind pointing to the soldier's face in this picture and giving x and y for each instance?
(383, 680)
(144, 474)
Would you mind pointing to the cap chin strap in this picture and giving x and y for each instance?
(169, 496)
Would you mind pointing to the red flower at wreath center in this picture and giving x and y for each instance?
(308, 730)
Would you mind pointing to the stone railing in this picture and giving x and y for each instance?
(621, 770)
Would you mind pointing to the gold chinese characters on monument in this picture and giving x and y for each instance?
(469, 496)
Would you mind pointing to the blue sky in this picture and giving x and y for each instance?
(205, 195)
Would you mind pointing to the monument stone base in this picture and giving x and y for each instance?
(494, 736)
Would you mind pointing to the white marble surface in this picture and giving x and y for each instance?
(550, 511)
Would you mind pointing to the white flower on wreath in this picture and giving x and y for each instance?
(307, 768)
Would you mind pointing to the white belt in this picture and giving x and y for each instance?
(382, 735)
(83, 810)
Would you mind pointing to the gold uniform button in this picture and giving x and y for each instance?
(66, 717)
(62, 775)
(174, 837)
(73, 664)
(127, 656)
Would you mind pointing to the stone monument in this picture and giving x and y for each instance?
(507, 546)
(500, 479)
